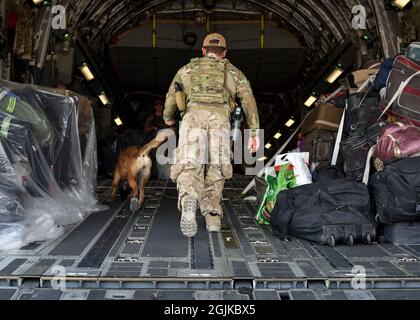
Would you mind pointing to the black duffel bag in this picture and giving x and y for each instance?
(396, 191)
(329, 174)
(325, 213)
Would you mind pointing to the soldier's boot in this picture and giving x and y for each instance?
(213, 222)
(188, 219)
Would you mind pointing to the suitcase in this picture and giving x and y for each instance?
(362, 75)
(320, 145)
(325, 213)
(326, 117)
(404, 233)
(400, 140)
(413, 51)
(403, 102)
(395, 192)
(355, 150)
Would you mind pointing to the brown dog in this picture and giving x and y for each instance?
(135, 166)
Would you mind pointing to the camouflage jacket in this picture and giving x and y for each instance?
(236, 84)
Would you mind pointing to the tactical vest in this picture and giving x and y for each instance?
(208, 82)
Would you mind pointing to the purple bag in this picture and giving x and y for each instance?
(398, 141)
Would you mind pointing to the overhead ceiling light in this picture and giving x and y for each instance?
(401, 4)
(84, 69)
(311, 100)
(338, 71)
(277, 136)
(268, 146)
(45, 3)
(290, 123)
(365, 37)
(263, 159)
(118, 121)
(67, 36)
(104, 99)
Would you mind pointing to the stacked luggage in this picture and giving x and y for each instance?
(395, 186)
(375, 184)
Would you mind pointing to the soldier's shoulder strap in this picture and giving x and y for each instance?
(195, 60)
(227, 66)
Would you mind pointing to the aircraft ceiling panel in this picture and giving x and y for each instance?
(154, 69)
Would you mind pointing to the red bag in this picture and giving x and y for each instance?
(402, 98)
(398, 141)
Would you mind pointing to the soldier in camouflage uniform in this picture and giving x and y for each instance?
(211, 85)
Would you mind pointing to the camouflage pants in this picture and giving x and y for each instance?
(202, 163)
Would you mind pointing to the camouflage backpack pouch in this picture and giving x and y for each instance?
(208, 82)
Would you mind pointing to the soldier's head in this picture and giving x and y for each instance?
(215, 44)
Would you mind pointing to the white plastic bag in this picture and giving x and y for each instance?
(299, 161)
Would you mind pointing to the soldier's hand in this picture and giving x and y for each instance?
(170, 123)
(254, 144)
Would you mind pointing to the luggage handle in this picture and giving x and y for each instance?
(367, 168)
(398, 93)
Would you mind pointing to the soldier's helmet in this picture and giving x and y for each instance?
(215, 40)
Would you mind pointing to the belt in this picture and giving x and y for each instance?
(219, 110)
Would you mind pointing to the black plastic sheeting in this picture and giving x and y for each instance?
(48, 164)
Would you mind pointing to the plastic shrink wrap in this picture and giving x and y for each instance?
(48, 163)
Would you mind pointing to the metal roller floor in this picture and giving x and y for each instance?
(119, 255)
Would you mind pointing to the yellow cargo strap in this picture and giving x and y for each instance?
(154, 27)
(12, 105)
(262, 34)
(2, 94)
(4, 130)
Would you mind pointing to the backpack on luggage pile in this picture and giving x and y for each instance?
(362, 112)
(320, 145)
(402, 98)
(320, 132)
(396, 191)
(325, 213)
(356, 148)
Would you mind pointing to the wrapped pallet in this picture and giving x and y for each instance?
(47, 172)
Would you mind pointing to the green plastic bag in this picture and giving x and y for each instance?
(280, 179)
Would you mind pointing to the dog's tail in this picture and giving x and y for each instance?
(161, 138)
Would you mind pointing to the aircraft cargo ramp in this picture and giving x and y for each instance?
(119, 255)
